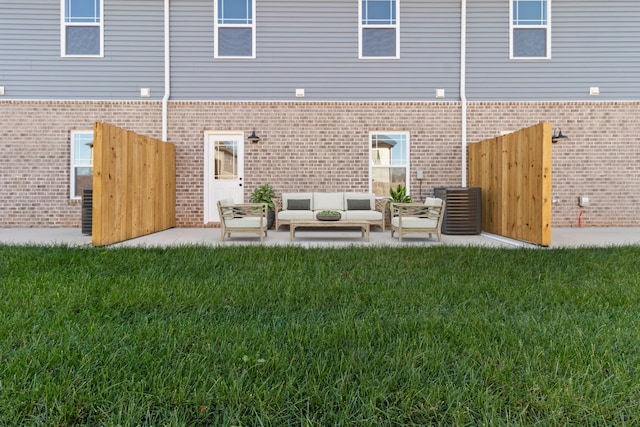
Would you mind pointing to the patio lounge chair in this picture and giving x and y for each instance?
(242, 218)
(417, 217)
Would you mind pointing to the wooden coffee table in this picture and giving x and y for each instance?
(314, 223)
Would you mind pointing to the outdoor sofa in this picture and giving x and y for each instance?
(351, 205)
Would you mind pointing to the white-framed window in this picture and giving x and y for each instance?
(234, 28)
(389, 161)
(379, 29)
(82, 32)
(81, 162)
(530, 29)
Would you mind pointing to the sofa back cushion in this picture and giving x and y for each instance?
(358, 201)
(297, 201)
(358, 205)
(299, 204)
(328, 201)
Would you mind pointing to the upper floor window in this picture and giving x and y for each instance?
(82, 31)
(235, 28)
(81, 162)
(389, 161)
(379, 29)
(530, 29)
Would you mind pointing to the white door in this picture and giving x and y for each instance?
(224, 170)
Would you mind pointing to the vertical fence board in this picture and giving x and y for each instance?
(130, 191)
(134, 185)
(514, 172)
(544, 183)
(115, 209)
(98, 155)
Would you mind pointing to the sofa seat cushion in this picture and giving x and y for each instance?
(289, 215)
(246, 222)
(363, 215)
(414, 222)
(328, 201)
(297, 198)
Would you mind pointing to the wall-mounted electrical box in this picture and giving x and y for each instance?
(583, 201)
(419, 174)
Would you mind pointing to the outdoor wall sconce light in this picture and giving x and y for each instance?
(90, 145)
(557, 135)
(253, 138)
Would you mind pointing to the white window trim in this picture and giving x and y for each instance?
(216, 25)
(547, 27)
(408, 163)
(396, 26)
(63, 32)
(73, 165)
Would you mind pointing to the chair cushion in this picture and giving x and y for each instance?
(227, 202)
(413, 222)
(433, 201)
(246, 222)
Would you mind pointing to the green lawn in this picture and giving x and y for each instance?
(285, 336)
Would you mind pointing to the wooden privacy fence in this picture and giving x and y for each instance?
(134, 185)
(514, 173)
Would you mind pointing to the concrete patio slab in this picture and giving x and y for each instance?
(561, 237)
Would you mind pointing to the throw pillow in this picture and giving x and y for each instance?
(358, 204)
(298, 204)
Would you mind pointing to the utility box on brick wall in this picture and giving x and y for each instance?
(462, 213)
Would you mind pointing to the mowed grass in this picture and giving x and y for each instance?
(285, 336)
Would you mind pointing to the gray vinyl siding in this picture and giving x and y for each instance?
(314, 45)
(31, 66)
(593, 43)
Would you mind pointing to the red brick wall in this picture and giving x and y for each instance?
(601, 158)
(320, 146)
(34, 154)
(312, 146)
